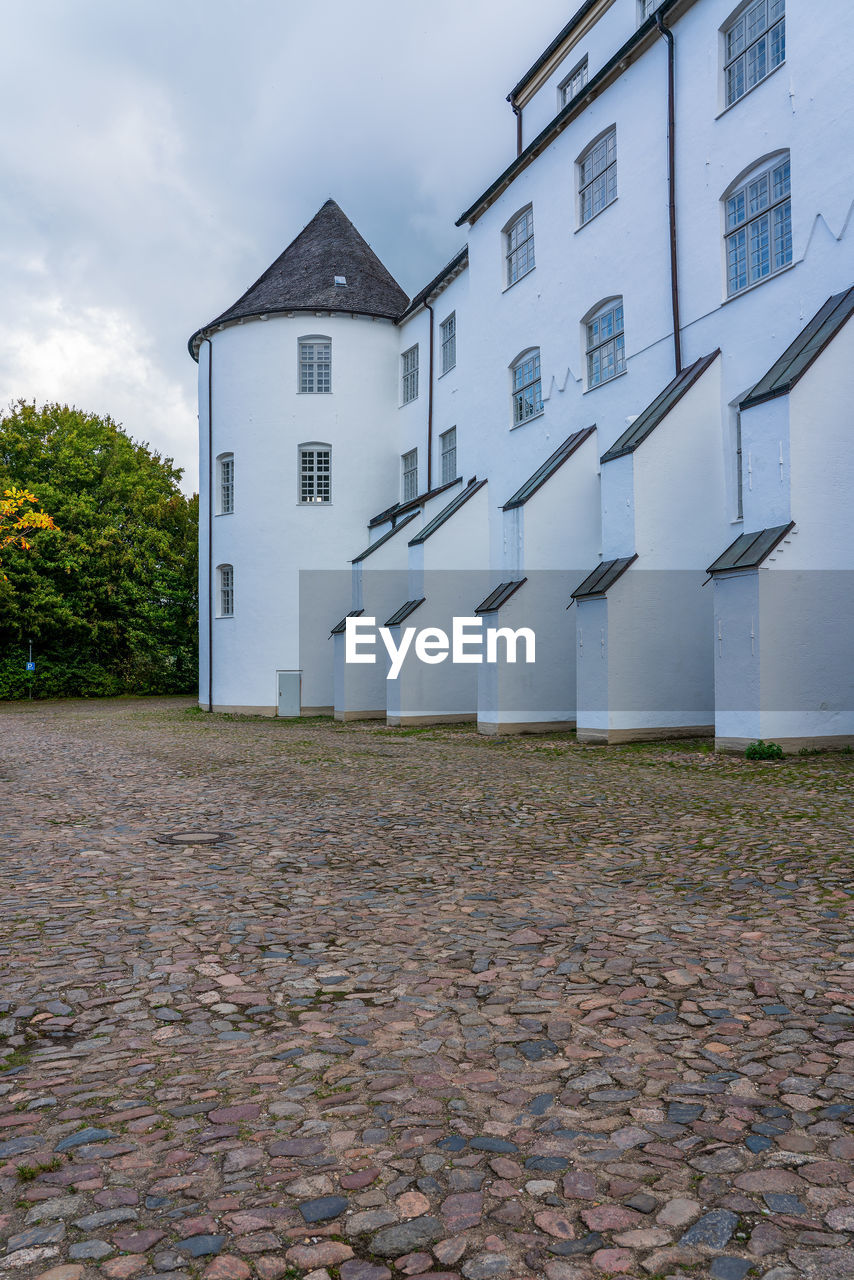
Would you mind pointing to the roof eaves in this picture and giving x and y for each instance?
(552, 464)
(445, 514)
(757, 546)
(603, 577)
(401, 614)
(398, 508)
(800, 355)
(643, 35)
(374, 546)
(574, 21)
(448, 273)
(499, 596)
(654, 414)
(341, 627)
(206, 331)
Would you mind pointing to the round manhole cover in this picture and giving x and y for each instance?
(193, 837)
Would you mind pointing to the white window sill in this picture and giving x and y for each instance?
(752, 89)
(519, 279)
(584, 225)
(223, 513)
(404, 404)
(445, 374)
(734, 297)
(224, 617)
(605, 383)
(531, 418)
(315, 393)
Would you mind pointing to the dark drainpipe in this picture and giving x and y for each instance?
(671, 184)
(430, 406)
(210, 522)
(517, 111)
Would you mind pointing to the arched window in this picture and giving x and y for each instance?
(758, 224)
(315, 472)
(315, 364)
(527, 393)
(754, 44)
(519, 245)
(597, 176)
(225, 484)
(225, 591)
(605, 344)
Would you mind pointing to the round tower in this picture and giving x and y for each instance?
(297, 414)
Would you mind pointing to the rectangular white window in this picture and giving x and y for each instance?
(606, 346)
(527, 388)
(759, 228)
(315, 474)
(573, 84)
(409, 375)
(520, 247)
(449, 455)
(597, 177)
(226, 485)
(449, 342)
(646, 7)
(226, 591)
(315, 365)
(410, 475)
(754, 44)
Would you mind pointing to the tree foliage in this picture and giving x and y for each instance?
(108, 599)
(19, 516)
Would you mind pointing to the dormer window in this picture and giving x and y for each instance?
(340, 280)
(573, 84)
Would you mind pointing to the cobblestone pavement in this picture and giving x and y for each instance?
(442, 1006)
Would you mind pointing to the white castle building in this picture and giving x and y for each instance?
(620, 417)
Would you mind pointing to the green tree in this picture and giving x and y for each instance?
(109, 599)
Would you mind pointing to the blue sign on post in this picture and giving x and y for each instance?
(31, 666)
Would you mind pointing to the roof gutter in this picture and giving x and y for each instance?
(614, 67)
(667, 34)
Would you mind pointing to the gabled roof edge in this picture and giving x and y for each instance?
(655, 412)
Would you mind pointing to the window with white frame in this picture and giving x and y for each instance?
(754, 44)
(527, 387)
(315, 473)
(225, 591)
(597, 176)
(449, 342)
(315, 365)
(606, 346)
(409, 375)
(573, 84)
(758, 219)
(519, 236)
(409, 463)
(646, 7)
(448, 441)
(225, 484)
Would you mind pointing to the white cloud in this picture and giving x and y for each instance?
(95, 359)
(161, 155)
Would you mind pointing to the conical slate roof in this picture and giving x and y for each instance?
(303, 277)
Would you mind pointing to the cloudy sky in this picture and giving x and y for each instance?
(157, 155)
